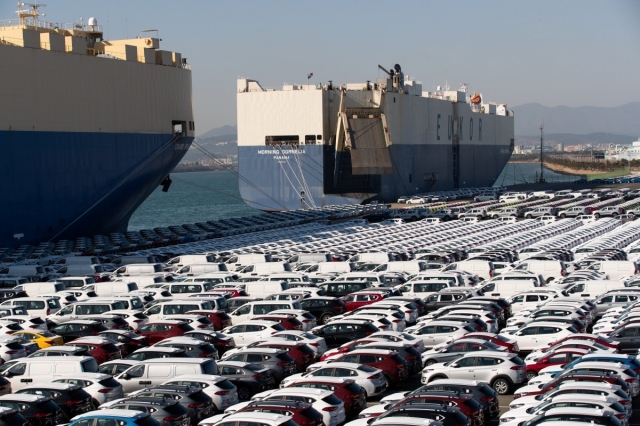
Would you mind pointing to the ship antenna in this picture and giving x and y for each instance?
(541, 156)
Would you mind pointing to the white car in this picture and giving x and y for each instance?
(11, 348)
(308, 320)
(248, 418)
(251, 331)
(330, 406)
(436, 332)
(220, 389)
(102, 387)
(540, 333)
(316, 343)
(515, 417)
(503, 371)
(371, 379)
(27, 322)
(576, 389)
(134, 319)
(403, 337)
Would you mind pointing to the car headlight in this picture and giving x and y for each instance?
(514, 406)
(427, 371)
(507, 419)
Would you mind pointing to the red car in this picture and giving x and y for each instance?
(560, 356)
(465, 402)
(287, 321)
(392, 365)
(597, 377)
(498, 339)
(155, 331)
(363, 298)
(102, 349)
(219, 319)
(352, 394)
(351, 346)
(585, 336)
(231, 292)
(301, 353)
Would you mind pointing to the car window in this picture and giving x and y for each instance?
(466, 362)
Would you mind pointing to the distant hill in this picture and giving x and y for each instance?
(573, 139)
(219, 131)
(220, 142)
(621, 120)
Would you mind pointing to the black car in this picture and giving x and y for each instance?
(10, 417)
(165, 411)
(194, 348)
(628, 336)
(248, 378)
(323, 308)
(346, 330)
(157, 352)
(343, 288)
(448, 416)
(199, 404)
(71, 398)
(75, 329)
(480, 391)
(37, 409)
(6, 294)
(219, 341)
(129, 339)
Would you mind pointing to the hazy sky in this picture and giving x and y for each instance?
(573, 53)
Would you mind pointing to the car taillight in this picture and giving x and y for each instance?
(94, 333)
(105, 390)
(49, 342)
(196, 405)
(48, 311)
(516, 396)
(42, 415)
(172, 418)
(486, 399)
(329, 408)
(479, 328)
(631, 380)
(621, 416)
(315, 345)
(624, 402)
(517, 367)
(282, 364)
(397, 320)
(139, 320)
(11, 352)
(375, 376)
(306, 320)
(74, 401)
(408, 312)
(369, 333)
(381, 327)
(34, 326)
(343, 350)
(410, 357)
(258, 376)
(222, 393)
(581, 318)
(202, 326)
(223, 343)
(490, 321)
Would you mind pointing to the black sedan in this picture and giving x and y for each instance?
(346, 330)
(72, 330)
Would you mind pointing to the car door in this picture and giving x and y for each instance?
(527, 338)
(237, 332)
(486, 368)
(346, 333)
(628, 338)
(463, 368)
(453, 351)
(426, 333)
(444, 333)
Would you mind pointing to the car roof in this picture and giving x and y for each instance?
(181, 340)
(128, 414)
(320, 393)
(52, 385)
(23, 397)
(200, 377)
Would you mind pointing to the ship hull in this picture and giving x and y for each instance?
(60, 185)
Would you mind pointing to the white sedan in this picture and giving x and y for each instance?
(317, 343)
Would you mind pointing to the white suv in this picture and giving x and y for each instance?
(436, 332)
(502, 371)
(540, 333)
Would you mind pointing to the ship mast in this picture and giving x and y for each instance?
(32, 13)
(541, 154)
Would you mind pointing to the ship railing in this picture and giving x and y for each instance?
(30, 24)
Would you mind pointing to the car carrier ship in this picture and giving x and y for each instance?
(88, 127)
(314, 145)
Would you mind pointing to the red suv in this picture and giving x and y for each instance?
(554, 357)
(351, 346)
(302, 413)
(363, 298)
(219, 319)
(301, 353)
(352, 394)
(585, 336)
(288, 321)
(392, 365)
(155, 331)
(465, 402)
(100, 348)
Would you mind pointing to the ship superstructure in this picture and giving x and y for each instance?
(88, 127)
(314, 145)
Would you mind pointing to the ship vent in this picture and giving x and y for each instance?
(369, 150)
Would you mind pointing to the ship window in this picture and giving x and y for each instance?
(319, 137)
(310, 139)
(282, 140)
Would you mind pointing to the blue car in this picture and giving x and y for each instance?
(114, 418)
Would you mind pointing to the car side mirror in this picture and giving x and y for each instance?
(454, 365)
(125, 376)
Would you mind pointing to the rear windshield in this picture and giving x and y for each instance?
(474, 405)
(278, 327)
(225, 384)
(110, 347)
(200, 396)
(207, 348)
(367, 369)
(90, 366)
(209, 368)
(305, 349)
(109, 382)
(13, 419)
(185, 327)
(397, 359)
(48, 406)
(284, 357)
(332, 399)
(176, 409)
(15, 346)
(487, 390)
(517, 361)
(354, 388)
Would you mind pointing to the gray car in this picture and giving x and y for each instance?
(541, 211)
(199, 404)
(278, 361)
(456, 349)
(167, 412)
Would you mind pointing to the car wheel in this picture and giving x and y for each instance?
(324, 319)
(479, 217)
(615, 215)
(531, 375)
(596, 215)
(244, 393)
(94, 404)
(495, 216)
(429, 362)
(528, 216)
(563, 216)
(501, 386)
(413, 218)
(632, 215)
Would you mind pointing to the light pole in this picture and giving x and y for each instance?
(302, 200)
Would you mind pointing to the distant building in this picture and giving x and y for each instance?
(621, 152)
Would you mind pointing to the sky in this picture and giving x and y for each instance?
(568, 52)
